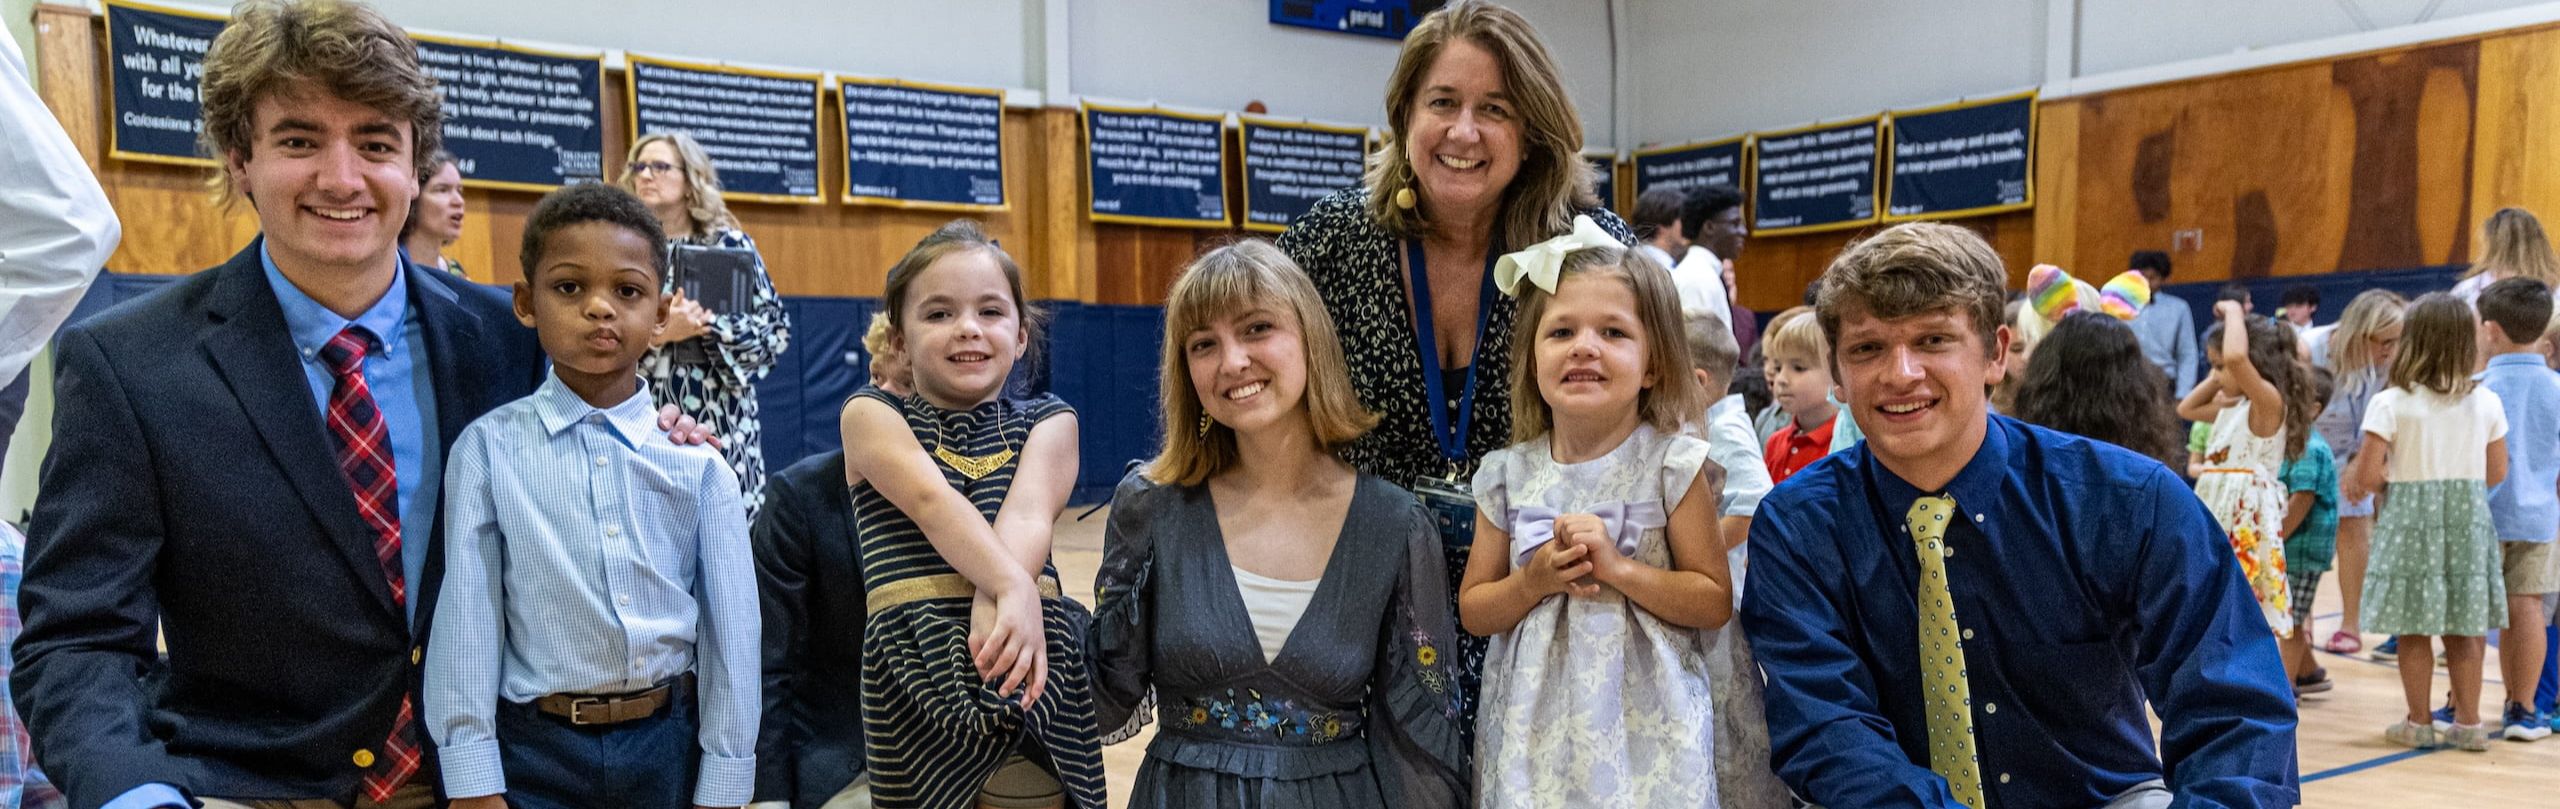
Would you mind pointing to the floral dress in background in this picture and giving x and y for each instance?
(2240, 487)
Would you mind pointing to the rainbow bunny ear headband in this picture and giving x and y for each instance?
(2055, 293)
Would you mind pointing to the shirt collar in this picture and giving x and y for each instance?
(1977, 487)
(1820, 436)
(313, 325)
(2517, 358)
(560, 408)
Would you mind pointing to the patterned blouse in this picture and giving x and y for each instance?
(721, 393)
(1358, 270)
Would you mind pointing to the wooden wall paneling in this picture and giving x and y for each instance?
(2515, 160)
(2058, 187)
(68, 52)
(2408, 164)
(1066, 237)
(1774, 272)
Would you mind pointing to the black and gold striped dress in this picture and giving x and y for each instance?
(936, 730)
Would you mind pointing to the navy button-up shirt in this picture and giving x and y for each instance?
(2086, 578)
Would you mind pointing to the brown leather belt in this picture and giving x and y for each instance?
(613, 709)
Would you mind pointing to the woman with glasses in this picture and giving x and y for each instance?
(706, 362)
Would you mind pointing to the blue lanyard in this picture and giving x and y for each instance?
(1452, 438)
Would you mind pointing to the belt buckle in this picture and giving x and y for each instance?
(578, 710)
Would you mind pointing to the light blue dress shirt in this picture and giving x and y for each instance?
(403, 386)
(2526, 507)
(587, 554)
(2167, 331)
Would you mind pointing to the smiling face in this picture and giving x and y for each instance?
(1722, 235)
(962, 330)
(1591, 349)
(1249, 368)
(593, 300)
(331, 180)
(1463, 136)
(1916, 387)
(440, 205)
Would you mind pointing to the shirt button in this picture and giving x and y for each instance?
(310, 352)
(1977, 518)
(599, 460)
(622, 600)
(595, 418)
(1968, 634)
(2004, 778)
(613, 530)
(363, 758)
(1990, 707)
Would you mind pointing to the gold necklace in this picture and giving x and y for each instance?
(972, 467)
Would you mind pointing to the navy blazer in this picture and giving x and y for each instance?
(810, 743)
(192, 489)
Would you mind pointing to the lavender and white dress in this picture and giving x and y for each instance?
(1594, 702)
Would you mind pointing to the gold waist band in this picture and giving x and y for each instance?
(942, 585)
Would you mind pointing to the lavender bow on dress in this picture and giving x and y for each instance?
(1532, 526)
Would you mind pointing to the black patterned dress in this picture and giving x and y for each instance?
(936, 730)
(1358, 269)
(721, 393)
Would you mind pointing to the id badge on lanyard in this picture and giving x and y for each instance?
(1451, 503)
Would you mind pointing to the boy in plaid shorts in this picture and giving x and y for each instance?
(2310, 542)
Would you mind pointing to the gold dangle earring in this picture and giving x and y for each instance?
(1404, 194)
(1205, 421)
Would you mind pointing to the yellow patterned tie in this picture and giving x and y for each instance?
(1942, 674)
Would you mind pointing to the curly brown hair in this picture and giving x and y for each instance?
(344, 49)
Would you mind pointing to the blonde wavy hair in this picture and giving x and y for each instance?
(1553, 182)
(2350, 345)
(2512, 244)
(1235, 278)
(701, 182)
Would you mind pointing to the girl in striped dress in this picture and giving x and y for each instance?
(974, 685)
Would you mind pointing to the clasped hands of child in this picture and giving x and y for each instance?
(1577, 561)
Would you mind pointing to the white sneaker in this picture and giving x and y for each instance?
(2417, 735)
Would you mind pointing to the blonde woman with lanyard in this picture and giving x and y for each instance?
(1486, 153)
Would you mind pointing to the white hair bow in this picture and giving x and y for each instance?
(1542, 262)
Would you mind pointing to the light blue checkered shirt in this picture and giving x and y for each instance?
(585, 553)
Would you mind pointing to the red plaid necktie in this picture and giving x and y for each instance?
(364, 454)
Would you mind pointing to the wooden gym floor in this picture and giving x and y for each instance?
(2345, 762)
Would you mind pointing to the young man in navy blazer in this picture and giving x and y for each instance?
(246, 461)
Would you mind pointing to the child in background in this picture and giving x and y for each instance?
(639, 639)
(2310, 542)
(1802, 387)
(1770, 417)
(2526, 506)
(974, 682)
(2440, 441)
(1597, 691)
(1730, 442)
(2200, 433)
(888, 366)
(2360, 350)
(2254, 356)
(1743, 777)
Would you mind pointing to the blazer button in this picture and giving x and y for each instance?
(364, 758)
(417, 653)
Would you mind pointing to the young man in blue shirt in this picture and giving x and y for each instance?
(2060, 583)
(596, 645)
(2526, 506)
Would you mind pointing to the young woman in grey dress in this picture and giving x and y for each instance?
(1282, 614)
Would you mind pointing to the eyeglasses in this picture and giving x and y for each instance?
(646, 168)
